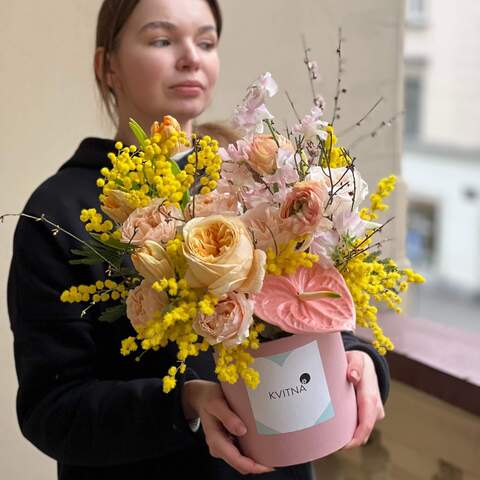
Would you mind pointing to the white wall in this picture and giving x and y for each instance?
(443, 182)
(48, 105)
(450, 42)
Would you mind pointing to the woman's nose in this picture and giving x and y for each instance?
(189, 58)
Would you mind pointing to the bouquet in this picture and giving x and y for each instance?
(241, 245)
(232, 248)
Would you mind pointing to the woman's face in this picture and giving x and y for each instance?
(166, 62)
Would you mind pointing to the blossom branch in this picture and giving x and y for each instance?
(373, 133)
(339, 90)
(56, 229)
(359, 123)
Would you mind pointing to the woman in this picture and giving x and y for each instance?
(98, 414)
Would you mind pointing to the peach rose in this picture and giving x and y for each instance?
(117, 206)
(221, 257)
(304, 207)
(262, 157)
(229, 324)
(142, 304)
(213, 203)
(152, 262)
(154, 222)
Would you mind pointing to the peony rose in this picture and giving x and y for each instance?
(152, 262)
(349, 189)
(142, 304)
(304, 207)
(262, 157)
(221, 257)
(153, 222)
(221, 203)
(117, 206)
(229, 324)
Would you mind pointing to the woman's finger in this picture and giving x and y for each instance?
(229, 419)
(367, 416)
(221, 446)
(356, 363)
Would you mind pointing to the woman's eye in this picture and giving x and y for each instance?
(207, 45)
(161, 42)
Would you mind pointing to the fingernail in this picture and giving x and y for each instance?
(355, 375)
(266, 469)
(241, 430)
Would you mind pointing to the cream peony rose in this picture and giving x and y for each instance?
(221, 257)
(116, 206)
(262, 157)
(142, 303)
(229, 324)
(152, 262)
(304, 207)
(153, 222)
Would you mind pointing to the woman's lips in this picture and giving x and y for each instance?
(188, 89)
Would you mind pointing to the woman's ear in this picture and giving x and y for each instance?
(103, 70)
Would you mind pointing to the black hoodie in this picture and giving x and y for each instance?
(100, 415)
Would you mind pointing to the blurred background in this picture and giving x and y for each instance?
(422, 58)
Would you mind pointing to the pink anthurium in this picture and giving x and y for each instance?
(311, 300)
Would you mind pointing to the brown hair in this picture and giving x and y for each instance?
(112, 17)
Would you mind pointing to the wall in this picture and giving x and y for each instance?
(48, 104)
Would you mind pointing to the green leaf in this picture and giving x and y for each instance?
(176, 170)
(86, 261)
(111, 314)
(124, 272)
(82, 252)
(175, 167)
(111, 243)
(138, 131)
(185, 200)
(89, 256)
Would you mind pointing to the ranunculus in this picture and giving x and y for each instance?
(229, 324)
(117, 206)
(221, 257)
(267, 227)
(262, 157)
(349, 189)
(213, 203)
(152, 262)
(154, 222)
(304, 207)
(142, 304)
